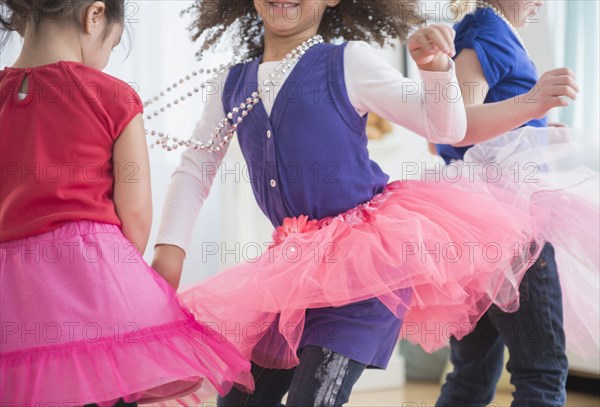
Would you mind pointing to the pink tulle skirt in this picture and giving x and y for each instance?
(459, 247)
(557, 170)
(85, 320)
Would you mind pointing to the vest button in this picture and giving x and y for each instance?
(273, 183)
(269, 134)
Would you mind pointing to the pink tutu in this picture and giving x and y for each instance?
(86, 320)
(459, 247)
(557, 170)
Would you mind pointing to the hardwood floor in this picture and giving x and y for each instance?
(416, 394)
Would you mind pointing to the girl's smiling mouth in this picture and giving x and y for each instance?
(283, 4)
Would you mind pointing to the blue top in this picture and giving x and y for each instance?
(508, 69)
(310, 157)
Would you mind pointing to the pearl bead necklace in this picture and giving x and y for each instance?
(502, 16)
(215, 74)
(225, 130)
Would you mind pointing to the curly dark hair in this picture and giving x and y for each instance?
(15, 14)
(375, 21)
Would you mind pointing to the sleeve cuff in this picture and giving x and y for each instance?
(166, 239)
(432, 76)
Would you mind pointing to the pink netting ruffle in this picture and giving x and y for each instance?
(459, 247)
(85, 320)
(162, 363)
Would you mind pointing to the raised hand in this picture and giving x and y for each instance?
(431, 46)
(555, 88)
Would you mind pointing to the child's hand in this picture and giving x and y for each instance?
(431, 46)
(554, 89)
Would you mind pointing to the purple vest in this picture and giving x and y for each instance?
(310, 158)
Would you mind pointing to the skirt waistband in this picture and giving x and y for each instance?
(69, 229)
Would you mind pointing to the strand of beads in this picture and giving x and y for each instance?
(214, 72)
(176, 84)
(502, 16)
(218, 139)
(224, 132)
(291, 59)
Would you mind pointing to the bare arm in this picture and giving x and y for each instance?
(168, 262)
(486, 121)
(132, 192)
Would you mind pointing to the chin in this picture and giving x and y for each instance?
(286, 16)
(522, 24)
(284, 29)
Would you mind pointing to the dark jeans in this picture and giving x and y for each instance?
(535, 340)
(322, 379)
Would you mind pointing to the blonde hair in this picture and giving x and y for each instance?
(462, 8)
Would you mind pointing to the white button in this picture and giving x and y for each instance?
(269, 134)
(273, 183)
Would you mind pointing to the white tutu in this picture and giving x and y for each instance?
(557, 170)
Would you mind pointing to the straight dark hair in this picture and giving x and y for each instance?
(16, 14)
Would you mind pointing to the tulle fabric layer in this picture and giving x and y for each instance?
(86, 320)
(557, 170)
(459, 246)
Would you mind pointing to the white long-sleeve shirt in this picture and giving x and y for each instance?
(433, 109)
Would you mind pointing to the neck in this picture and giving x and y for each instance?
(277, 47)
(48, 44)
(506, 11)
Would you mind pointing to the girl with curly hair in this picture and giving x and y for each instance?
(353, 256)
